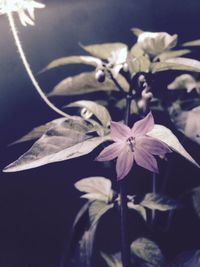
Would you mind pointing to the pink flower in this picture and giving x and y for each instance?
(133, 145)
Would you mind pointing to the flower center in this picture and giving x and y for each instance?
(131, 143)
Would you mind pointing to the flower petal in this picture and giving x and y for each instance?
(146, 160)
(110, 152)
(119, 131)
(141, 127)
(124, 163)
(152, 146)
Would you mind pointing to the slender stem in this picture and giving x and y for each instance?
(27, 67)
(153, 212)
(125, 248)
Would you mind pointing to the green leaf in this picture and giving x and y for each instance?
(179, 63)
(73, 60)
(139, 208)
(192, 43)
(139, 64)
(82, 84)
(97, 188)
(172, 54)
(158, 202)
(103, 51)
(112, 260)
(148, 252)
(136, 51)
(166, 136)
(64, 141)
(98, 110)
(136, 31)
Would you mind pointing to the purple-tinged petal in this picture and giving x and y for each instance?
(152, 146)
(119, 131)
(146, 160)
(124, 163)
(143, 126)
(110, 152)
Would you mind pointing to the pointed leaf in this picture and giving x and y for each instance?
(172, 54)
(158, 202)
(97, 209)
(95, 187)
(166, 136)
(82, 84)
(98, 110)
(73, 60)
(65, 141)
(139, 208)
(192, 43)
(103, 51)
(148, 252)
(179, 63)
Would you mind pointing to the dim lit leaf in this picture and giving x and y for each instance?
(172, 54)
(188, 122)
(73, 60)
(98, 110)
(81, 84)
(196, 200)
(136, 51)
(112, 260)
(139, 208)
(179, 63)
(186, 259)
(166, 136)
(97, 188)
(148, 252)
(139, 64)
(137, 31)
(103, 51)
(64, 141)
(158, 202)
(192, 43)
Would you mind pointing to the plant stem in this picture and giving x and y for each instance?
(125, 248)
(153, 212)
(27, 67)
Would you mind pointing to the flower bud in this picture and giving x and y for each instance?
(100, 76)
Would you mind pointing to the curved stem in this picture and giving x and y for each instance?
(28, 69)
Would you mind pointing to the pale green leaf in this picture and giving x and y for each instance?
(97, 188)
(179, 63)
(64, 141)
(97, 209)
(103, 51)
(140, 209)
(112, 260)
(98, 110)
(88, 60)
(166, 136)
(192, 43)
(139, 64)
(172, 54)
(136, 51)
(81, 84)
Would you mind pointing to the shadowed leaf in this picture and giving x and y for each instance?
(112, 260)
(192, 43)
(147, 252)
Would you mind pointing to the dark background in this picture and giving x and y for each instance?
(37, 207)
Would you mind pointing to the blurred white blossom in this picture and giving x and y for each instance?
(24, 8)
(155, 43)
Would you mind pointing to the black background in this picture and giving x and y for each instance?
(37, 207)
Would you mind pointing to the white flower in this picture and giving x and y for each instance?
(155, 43)
(24, 8)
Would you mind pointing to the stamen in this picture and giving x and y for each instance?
(131, 143)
